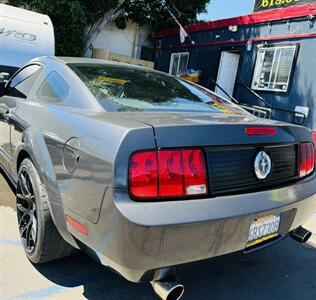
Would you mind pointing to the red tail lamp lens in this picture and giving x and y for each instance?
(306, 159)
(194, 172)
(314, 137)
(168, 174)
(143, 175)
(260, 131)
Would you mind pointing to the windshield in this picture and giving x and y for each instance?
(126, 89)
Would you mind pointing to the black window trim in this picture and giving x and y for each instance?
(20, 70)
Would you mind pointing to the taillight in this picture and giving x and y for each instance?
(167, 174)
(306, 159)
(314, 137)
(170, 173)
(260, 131)
(143, 175)
(194, 172)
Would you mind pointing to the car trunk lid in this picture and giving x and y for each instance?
(187, 130)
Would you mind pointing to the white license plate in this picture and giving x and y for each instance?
(263, 229)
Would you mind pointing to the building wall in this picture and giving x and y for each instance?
(124, 42)
(205, 56)
(302, 89)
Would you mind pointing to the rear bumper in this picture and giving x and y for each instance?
(135, 239)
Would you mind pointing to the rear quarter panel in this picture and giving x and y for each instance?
(100, 136)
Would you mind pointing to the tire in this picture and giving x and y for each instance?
(40, 239)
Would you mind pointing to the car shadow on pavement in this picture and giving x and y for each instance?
(98, 282)
(284, 271)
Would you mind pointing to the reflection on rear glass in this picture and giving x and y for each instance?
(124, 89)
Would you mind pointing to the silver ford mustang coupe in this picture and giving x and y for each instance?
(144, 171)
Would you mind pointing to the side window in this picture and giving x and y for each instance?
(22, 83)
(53, 89)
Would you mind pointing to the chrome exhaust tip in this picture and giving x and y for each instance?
(300, 235)
(168, 290)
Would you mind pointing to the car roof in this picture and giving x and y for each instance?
(84, 60)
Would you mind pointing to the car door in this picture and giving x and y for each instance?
(17, 90)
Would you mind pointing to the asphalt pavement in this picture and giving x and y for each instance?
(284, 271)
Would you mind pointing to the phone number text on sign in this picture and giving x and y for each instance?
(261, 5)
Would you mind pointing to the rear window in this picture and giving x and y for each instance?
(126, 89)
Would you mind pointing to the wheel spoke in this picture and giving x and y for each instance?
(19, 188)
(21, 191)
(33, 233)
(24, 228)
(22, 208)
(28, 236)
(24, 194)
(21, 219)
(22, 231)
(25, 197)
(24, 187)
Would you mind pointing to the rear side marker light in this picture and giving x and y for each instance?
(306, 154)
(167, 174)
(77, 226)
(260, 131)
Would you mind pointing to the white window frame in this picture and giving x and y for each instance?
(173, 55)
(276, 60)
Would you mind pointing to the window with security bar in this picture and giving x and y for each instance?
(178, 63)
(273, 68)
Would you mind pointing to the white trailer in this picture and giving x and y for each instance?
(24, 35)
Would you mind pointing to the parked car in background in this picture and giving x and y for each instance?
(24, 35)
(145, 171)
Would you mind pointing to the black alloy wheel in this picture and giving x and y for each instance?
(26, 211)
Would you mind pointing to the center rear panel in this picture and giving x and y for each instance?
(231, 168)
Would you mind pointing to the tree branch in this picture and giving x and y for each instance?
(97, 27)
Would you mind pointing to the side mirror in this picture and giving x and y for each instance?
(4, 77)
